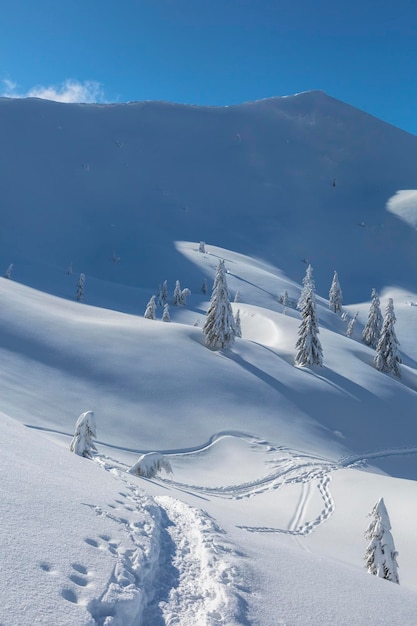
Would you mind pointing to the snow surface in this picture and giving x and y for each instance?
(275, 468)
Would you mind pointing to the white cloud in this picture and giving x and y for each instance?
(68, 91)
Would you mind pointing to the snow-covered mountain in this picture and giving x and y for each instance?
(274, 467)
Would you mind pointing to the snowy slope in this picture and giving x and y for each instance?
(275, 467)
(80, 183)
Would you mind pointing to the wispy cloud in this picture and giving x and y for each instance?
(68, 91)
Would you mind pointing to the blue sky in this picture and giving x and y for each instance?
(213, 52)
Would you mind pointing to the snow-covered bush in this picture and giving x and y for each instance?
(85, 430)
(79, 294)
(151, 464)
(387, 358)
(381, 555)
(220, 328)
(150, 309)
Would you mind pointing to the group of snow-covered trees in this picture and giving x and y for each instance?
(379, 333)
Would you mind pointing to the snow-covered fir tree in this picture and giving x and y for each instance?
(165, 291)
(177, 294)
(351, 326)
(335, 295)
(165, 314)
(220, 328)
(150, 309)
(237, 296)
(204, 286)
(387, 358)
(8, 272)
(284, 299)
(373, 326)
(308, 286)
(381, 555)
(85, 430)
(80, 289)
(184, 295)
(159, 299)
(202, 247)
(238, 324)
(308, 346)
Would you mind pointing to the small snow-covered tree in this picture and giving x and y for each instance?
(387, 358)
(238, 324)
(165, 291)
(373, 326)
(184, 294)
(150, 464)
(284, 299)
(237, 296)
(150, 309)
(177, 293)
(80, 290)
(159, 299)
(308, 346)
(202, 247)
(308, 285)
(351, 326)
(8, 272)
(85, 430)
(204, 286)
(335, 295)
(165, 314)
(381, 555)
(220, 328)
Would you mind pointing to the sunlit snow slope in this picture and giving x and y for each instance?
(275, 468)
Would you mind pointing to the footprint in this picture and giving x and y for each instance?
(46, 567)
(81, 569)
(69, 595)
(91, 542)
(105, 537)
(78, 580)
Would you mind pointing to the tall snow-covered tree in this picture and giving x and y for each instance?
(335, 295)
(177, 294)
(373, 326)
(308, 346)
(85, 430)
(220, 328)
(80, 291)
(381, 555)
(387, 357)
(165, 315)
(150, 309)
(308, 286)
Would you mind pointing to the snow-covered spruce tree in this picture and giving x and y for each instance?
(335, 295)
(80, 291)
(308, 285)
(150, 309)
(177, 293)
(184, 294)
(85, 430)
(308, 346)
(8, 272)
(159, 299)
(202, 247)
(165, 314)
(373, 326)
(220, 328)
(351, 326)
(165, 291)
(237, 296)
(387, 358)
(204, 286)
(381, 555)
(238, 324)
